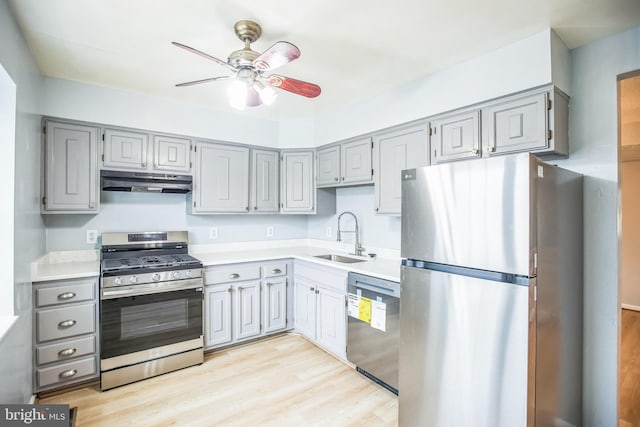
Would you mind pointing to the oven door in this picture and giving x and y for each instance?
(129, 324)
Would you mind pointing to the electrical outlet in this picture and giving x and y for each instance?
(92, 237)
(270, 231)
(329, 231)
(213, 233)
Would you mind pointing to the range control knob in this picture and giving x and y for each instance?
(175, 275)
(118, 281)
(133, 279)
(155, 277)
(187, 273)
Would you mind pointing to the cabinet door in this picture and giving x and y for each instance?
(171, 153)
(455, 137)
(217, 324)
(125, 149)
(246, 310)
(221, 180)
(298, 185)
(404, 149)
(71, 168)
(275, 304)
(305, 307)
(356, 162)
(332, 322)
(518, 125)
(328, 160)
(264, 181)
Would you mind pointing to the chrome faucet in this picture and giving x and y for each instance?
(358, 247)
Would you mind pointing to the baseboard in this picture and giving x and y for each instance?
(631, 307)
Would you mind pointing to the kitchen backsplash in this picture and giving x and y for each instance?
(148, 212)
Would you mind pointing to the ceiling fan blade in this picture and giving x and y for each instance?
(253, 97)
(197, 82)
(298, 87)
(204, 55)
(276, 56)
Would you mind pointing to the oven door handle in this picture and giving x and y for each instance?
(151, 288)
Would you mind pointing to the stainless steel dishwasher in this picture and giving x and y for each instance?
(373, 328)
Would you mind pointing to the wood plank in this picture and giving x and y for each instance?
(629, 373)
(284, 381)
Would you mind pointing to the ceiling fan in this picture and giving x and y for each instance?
(251, 85)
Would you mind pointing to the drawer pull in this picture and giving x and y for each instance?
(67, 295)
(67, 323)
(66, 352)
(234, 276)
(68, 374)
(276, 271)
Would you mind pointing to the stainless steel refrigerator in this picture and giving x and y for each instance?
(491, 283)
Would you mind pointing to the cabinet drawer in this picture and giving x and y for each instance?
(275, 269)
(69, 292)
(65, 322)
(65, 350)
(66, 372)
(231, 273)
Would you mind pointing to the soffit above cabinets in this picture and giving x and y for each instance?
(353, 50)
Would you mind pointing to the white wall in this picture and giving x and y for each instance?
(593, 143)
(15, 346)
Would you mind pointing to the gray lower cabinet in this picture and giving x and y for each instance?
(400, 149)
(221, 178)
(265, 180)
(455, 137)
(71, 169)
(65, 332)
(245, 301)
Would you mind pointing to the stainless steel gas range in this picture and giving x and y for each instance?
(151, 301)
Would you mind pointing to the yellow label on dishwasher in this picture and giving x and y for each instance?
(364, 310)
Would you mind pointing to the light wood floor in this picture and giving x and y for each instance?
(629, 374)
(284, 381)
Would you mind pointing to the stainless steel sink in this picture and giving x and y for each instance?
(340, 258)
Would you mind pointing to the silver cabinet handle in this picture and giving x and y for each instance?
(312, 289)
(276, 271)
(247, 208)
(67, 295)
(69, 373)
(230, 290)
(255, 208)
(144, 164)
(67, 323)
(66, 352)
(234, 276)
(336, 179)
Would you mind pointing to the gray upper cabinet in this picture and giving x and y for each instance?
(356, 162)
(265, 181)
(298, 186)
(516, 125)
(124, 149)
(171, 153)
(221, 179)
(71, 169)
(328, 164)
(404, 148)
(347, 163)
(455, 137)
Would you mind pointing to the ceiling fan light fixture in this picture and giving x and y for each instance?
(267, 94)
(238, 94)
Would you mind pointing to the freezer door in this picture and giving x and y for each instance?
(472, 213)
(463, 351)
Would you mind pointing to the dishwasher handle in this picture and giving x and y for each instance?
(376, 288)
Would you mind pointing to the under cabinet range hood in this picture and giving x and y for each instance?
(145, 182)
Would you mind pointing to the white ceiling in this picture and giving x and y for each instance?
(353, 49)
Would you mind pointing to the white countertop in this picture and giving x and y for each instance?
(78, 264)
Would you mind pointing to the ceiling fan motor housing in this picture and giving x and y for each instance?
(242, 58)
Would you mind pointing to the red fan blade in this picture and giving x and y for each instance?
(276, 56)
(298, 87)
(197, 82)
(253, 98)
(204, 55)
